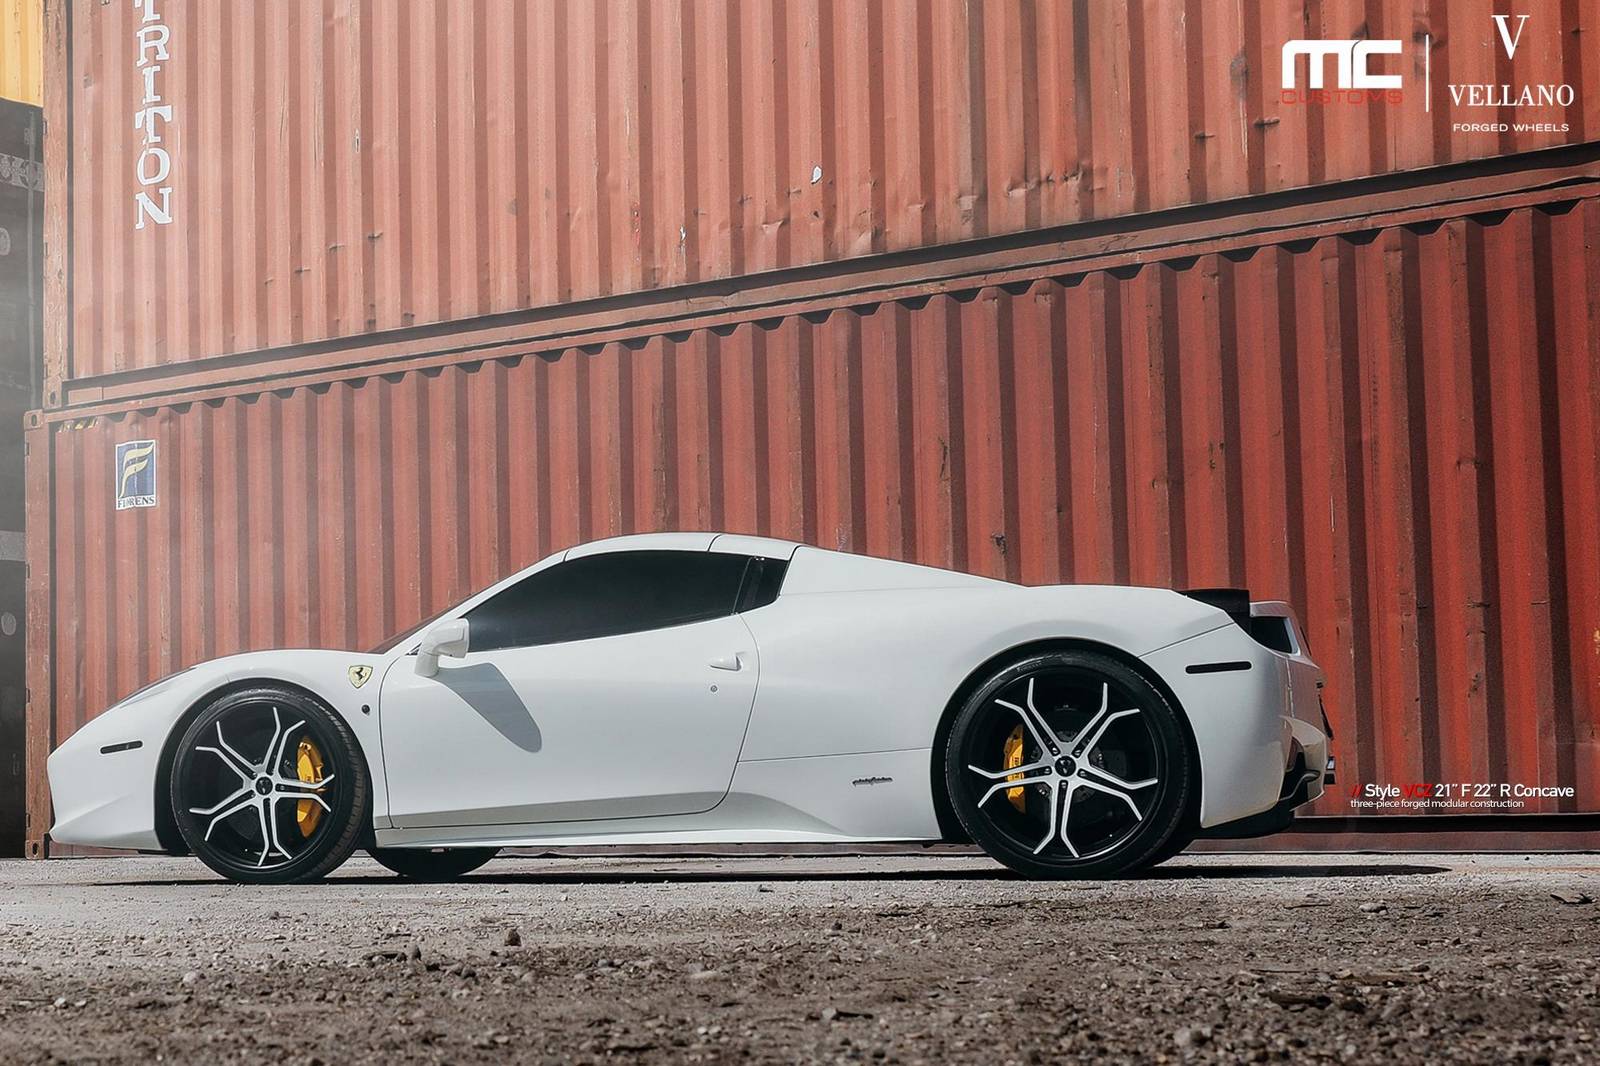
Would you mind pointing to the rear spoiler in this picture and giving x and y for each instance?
(1235, 602)
(1270, 623)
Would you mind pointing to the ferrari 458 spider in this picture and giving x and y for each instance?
(694, 688)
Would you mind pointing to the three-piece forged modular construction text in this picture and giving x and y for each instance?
(691, 688)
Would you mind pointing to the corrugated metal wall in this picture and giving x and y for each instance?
(345, 166)
(22, 51)
(1396, 429)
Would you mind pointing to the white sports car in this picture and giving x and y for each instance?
(694, 688)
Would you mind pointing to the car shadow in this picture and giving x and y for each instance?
(763, 872)
(485, 689)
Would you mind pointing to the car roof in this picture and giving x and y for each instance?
(733, 543)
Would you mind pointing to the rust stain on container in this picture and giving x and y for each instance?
(344, 167)
(1395, 429)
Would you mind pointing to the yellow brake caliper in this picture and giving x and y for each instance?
(1013, 758)
(308, 767)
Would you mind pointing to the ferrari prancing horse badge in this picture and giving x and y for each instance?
(359, 675)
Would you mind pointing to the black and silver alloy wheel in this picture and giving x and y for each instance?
(1069, 764)
(269, 787)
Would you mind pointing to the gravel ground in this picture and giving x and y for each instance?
(905, 958)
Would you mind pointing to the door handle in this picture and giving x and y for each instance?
(726, 662)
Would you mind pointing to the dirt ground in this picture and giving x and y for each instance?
(914, 958)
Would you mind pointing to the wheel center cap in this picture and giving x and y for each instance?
(263, 785)
(1065, 766)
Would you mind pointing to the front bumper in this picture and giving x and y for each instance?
(102, 783)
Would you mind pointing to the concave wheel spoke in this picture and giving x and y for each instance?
(1016, 777)
(1007, 786)
(1089, 782)
(244, 804)
(242, 766)
(306, 789)
(312, 796)
(266, 834)
(1055, 803)
(207, 811)
(1109, 778)
(1084, 747)
(228, 762)
(1002, 775)
(1043, 735)
(1066, 819)
(279, 743)
(271, 820)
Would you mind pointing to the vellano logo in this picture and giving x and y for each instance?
(1354, 82)
(1485, 95)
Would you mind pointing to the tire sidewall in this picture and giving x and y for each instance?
(351, 805)
(1172, 792)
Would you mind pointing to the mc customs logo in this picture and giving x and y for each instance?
(136, 474)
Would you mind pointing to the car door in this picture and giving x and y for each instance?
(613, 685)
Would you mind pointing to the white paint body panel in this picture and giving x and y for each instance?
(607, 728)
(109, 800)
(825, 733)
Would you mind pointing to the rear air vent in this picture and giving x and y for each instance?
(1272, 632)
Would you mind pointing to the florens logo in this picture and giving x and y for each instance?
(1354, 80)
(136, 474)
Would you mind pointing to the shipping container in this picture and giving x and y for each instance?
(1394, 425)
(345, 168)
(21, 292)
(22, 51)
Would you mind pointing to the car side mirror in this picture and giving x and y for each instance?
(450, 638)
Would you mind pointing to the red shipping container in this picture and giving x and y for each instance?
(344, 168)
(1395, 425)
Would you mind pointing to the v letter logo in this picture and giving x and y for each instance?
(1506, 38)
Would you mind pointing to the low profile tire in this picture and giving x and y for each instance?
(269, 787)
(1069, 765)
(1174, 847)
(439, 864)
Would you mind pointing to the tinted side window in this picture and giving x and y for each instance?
(604, 595)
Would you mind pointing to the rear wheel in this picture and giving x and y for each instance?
(269, 787)
(439, 864)
(1069, 765)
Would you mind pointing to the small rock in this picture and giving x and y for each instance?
(512, 939)
(763, 888)
(191, 978)
(1575, 899)
(1374, 908)
(829, 1014)
(705, 975)
(1192, 1036)
(415, 952)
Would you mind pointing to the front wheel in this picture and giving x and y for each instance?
(441, 864)
(1069, 765)
(270, 787)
